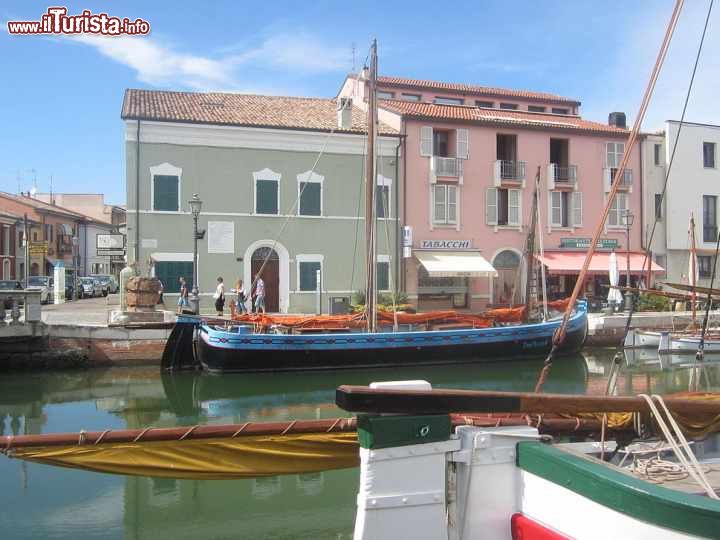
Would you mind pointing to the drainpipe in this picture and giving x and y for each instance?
(398, 248)
(137, 194)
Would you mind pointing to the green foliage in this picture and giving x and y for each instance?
(652, 302)
(385, 301)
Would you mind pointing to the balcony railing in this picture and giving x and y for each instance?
(512, 170)
(446, 166)
(610, 176)
(709, 233)
(565, 175)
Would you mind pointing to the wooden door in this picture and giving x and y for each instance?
(270, 275)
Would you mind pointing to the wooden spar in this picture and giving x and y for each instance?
(696, 288)
(327, 425)
(693, 267)
(530, 302)
(619, 173)
(364, 399)
(370, 298)
(655, 292)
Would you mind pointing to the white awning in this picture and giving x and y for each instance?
(455, 264)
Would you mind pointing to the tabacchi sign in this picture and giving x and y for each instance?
(445, 244)
(57, 21)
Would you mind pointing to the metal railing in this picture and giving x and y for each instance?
(627, 177)
(512, 170)
(447, 166)
(566, 174)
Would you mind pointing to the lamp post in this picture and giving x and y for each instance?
(628, 217)
(195, 207)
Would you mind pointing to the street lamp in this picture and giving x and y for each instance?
(195, 207)
(628, 218)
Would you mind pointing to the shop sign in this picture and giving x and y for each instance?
(584, 243)
(407, 236)
(445, 244)
(38, 248)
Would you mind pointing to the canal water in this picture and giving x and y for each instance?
(39, 501)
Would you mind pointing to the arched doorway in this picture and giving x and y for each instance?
(34, 269)
(507, 282)
(270, 274)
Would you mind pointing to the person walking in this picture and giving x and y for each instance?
(241, 297)
(219, 297)
(183, 298)
(161, 300)
(259, 294)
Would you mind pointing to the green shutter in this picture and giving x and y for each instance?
(308, 280)
(383, 276)
(165, 193)
(267, 197)
(310, 198)
(169, 273)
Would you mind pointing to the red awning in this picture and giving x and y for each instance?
(570, 262)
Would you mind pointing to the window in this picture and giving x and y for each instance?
(383, 275)
(266, 196)
(444, 204)
(20, 239)
(448, 101)
(385, 95)
(536, 108)
(704, 266)
(6, 240)
(502, 207)
(559, 110)
(658, 206)
(426, 141)
(613, 154)
(560, 208)
(709, 218)
(509, 106)
(441, 141)
(308, 266)
(410, 97)
(166, 196)
(382, 201)
(35, 236)
(709, 155)
(656, 153)
(617, 210)
(310, 198)
(484, 104)
(170, 272)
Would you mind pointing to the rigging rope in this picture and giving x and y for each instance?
(559, 336)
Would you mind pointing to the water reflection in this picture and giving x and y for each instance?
(45, 502)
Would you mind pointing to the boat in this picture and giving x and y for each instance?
(246, 344)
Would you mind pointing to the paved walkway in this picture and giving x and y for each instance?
(85, 312)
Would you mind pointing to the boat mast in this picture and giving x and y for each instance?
(693, 268)
(370, 293)
(531, 277)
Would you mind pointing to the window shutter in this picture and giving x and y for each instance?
(382, 201)
(439, 199)
(491, 209)
(308, 278)
(165, 193)
(426, 141)
(310, 194)
(383, 276)
(267, 197)
(463, 143)
(577, 208)
(513, 207)
(556, 208)
(451, 204)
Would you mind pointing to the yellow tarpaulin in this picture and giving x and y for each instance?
(222, 458)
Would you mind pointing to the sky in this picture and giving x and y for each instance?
(60, 97)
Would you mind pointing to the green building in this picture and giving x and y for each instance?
(282, 184)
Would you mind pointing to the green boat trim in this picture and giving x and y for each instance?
(375, 432)
(651, 503)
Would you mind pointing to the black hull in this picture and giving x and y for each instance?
(218, 360)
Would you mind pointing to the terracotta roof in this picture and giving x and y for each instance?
(43, 206)
(471, 89)
(312, 114)
(413, 109)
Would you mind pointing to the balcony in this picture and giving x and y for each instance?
(449, 167)
(709, 233)
(609, 176)
(509, 171)
(561, 176)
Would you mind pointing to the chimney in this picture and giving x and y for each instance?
(344, 113)
(617, 119)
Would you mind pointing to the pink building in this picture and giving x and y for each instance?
(470, 158)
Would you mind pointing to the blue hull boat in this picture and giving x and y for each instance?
(195, 343)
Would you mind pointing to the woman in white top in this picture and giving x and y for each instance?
(219, 297)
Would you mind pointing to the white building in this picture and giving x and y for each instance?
(693, 189)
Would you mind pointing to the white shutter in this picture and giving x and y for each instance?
(491, 206)
(451, 204)
(513, 207)
(577, 209)
(439, 214)
(463, 143)
(556, 208)
(426, 141)
(613, 214)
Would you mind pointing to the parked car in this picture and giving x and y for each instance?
(45, 285)
(10, 285)
(109, 283)
(89, 287)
